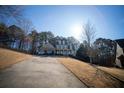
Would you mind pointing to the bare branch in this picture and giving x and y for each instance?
(88, 32)
(8, 12)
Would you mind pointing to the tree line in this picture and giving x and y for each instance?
(17, 38)
(101, 51)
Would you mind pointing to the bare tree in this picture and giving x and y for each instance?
(89, 34)
(34, 37)
(10, 12)
(27, 26)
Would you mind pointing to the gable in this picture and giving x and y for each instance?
(120, 43)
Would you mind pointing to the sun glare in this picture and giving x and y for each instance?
(76, 31)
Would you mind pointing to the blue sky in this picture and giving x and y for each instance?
(66, 20)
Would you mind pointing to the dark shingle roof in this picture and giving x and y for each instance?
(120, 42)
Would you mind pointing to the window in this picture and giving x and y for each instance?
(59, 42)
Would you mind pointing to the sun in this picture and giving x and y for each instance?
(76, 30)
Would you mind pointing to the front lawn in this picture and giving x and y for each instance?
(90, 75)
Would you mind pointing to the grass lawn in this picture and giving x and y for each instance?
(9, 57)
(118, 73)
(88, 74)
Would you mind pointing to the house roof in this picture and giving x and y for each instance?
(120, 42)
(47, 46)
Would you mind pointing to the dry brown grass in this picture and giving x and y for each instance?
(88, 74)
(118, 73)
(9, 57)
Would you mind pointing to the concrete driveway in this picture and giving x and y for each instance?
(39, 72)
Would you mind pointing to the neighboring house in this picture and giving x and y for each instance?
(16, 34)
(119, 53)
